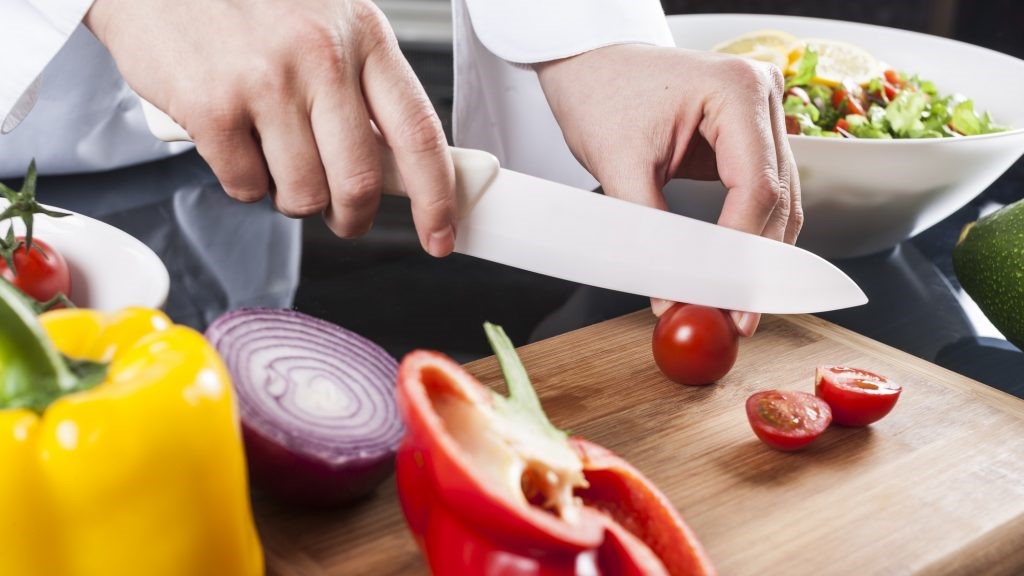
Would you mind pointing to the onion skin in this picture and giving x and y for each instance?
(293, 478)
(317, 405)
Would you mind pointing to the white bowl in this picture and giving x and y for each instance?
(110, 269)
(863, 196)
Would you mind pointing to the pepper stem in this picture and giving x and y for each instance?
(521, 393)
(32, 372)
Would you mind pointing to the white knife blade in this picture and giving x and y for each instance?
(588, 238)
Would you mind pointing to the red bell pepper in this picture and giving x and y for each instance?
(489, 486)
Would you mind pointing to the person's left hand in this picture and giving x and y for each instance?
(637, 116)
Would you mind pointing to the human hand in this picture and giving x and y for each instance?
(637, 116)
(278, 97)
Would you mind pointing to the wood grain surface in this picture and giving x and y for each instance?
(937, 487)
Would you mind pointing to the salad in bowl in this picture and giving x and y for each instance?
(887, 142)
(837, 89)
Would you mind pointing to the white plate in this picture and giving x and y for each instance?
(109, 268)
(863, 196)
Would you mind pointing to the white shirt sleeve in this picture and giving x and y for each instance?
(34, 31)
(499, 105)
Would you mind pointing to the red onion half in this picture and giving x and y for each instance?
(317, 404)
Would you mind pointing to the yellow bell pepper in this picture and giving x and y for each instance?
(142, 473)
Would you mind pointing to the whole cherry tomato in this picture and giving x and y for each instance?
(40, 272)
(787, 420)
(857, 397)
(695, 345)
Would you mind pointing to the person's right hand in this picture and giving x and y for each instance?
(278, 96)
(637, 116)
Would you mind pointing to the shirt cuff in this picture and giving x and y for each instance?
(531, 31)
(34, 31)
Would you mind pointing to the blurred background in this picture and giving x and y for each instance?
(917, 304)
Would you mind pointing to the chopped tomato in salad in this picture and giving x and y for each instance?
(891, 105)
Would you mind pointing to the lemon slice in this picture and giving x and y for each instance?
(768, 55)
(839, 61)
(755, 42)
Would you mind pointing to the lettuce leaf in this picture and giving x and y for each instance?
(904, 114)
(805, 72)
(865, 127)
(794, 106)
(967, 122)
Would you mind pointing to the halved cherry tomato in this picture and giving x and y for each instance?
(40, 272)
(857, 397)
(843, 127)
(695, 345)
(787, 420)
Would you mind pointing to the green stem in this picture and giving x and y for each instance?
(32, 372)
(521, 394)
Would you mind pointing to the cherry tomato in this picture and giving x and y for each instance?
(842, 99)
(857, 397)
(42, 272)
(893, 77)
(695, 345)
(792, 125)
(787, 420)
(890, 91)
(842, 126)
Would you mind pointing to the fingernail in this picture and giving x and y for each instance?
(659, 306)
(441, 242)
(746, 322)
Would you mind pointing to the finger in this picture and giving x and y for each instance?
(350, 155)
(659, 306)
(403, 113)
(779, 219)
(300, 186)
(234, 154)
(796, 208)
(746, 322)
(745, 154)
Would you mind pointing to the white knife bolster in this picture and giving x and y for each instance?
(475, 170)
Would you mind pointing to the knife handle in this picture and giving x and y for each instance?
(474, 169)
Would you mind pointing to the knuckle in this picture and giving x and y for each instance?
(783, 204)
(296, 205)
(217, 114)
(360, 189)
(767, 193)
(420, 129)
(796, 217)
(373, 25)
(267, 75)
(350, 228)
(743, 71)
(245, 194)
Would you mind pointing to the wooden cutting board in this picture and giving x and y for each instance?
(937, 487)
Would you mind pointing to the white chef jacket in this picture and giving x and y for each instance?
(74, 113)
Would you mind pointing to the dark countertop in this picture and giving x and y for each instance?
(223, 255)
